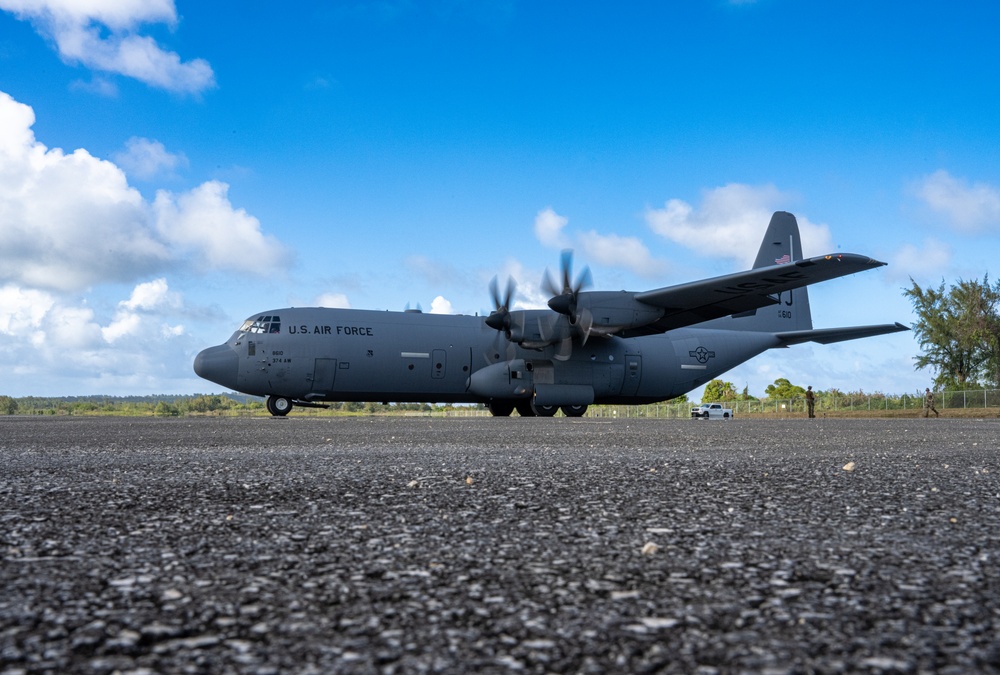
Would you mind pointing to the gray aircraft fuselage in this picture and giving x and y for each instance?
(318, 354)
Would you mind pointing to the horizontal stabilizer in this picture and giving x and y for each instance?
(827, 336)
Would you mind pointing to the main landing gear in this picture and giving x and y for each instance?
(528, 408)
(279, 406)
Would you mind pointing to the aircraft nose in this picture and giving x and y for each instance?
(218, 364)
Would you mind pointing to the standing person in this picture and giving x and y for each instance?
(929, 403)
(811, 402)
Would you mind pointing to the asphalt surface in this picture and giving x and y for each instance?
(397, 545)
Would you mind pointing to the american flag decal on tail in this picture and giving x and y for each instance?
(783, 260)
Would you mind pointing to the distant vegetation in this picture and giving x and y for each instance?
(180, 406)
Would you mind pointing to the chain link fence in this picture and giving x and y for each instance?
(943, 400)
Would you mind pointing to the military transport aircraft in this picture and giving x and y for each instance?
(589, 347)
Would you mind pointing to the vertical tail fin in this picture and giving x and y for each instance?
(781, 246)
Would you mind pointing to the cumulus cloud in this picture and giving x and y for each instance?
(333, 300)
(930, 261)
(22, 311)
(440, 305)
(45, 334)
(141, 316)
(731, 221)
(617, 251)
(68, 328)
(71, 221)
(151, 296)
(204, 222)
(144, 158)
(102, 35)
(607, 249)
(549, 227)
(967, 207)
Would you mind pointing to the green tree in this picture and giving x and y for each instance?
(164, 409)
(8, 406)
(959, 332)
(717, 390)
(783, 389)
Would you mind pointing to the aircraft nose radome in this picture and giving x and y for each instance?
(218, 364)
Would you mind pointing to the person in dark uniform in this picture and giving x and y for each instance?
(929, 403)
(811, 402)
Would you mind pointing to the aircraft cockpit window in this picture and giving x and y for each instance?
(262, 324)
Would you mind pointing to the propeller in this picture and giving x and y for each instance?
(499, 318)
(564, 301)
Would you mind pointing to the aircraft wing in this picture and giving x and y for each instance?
(827, 336)
(697, 301)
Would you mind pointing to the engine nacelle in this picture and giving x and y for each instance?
(536, 328)
(507, 379)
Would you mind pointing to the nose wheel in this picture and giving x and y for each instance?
(279, 406)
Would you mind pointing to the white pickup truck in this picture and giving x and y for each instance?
(710, 410)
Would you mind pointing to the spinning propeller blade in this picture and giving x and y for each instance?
(499, 319)
(564, 301)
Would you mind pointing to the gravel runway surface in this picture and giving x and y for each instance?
(399, 545)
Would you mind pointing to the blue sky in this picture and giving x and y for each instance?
(169, 168)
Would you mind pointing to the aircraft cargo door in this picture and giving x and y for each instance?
(323, 376)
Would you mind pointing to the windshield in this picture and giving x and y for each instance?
(262, 324)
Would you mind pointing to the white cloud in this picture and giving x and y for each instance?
(116, 14)
(100, 86)
(71, 329)
(931, 261)
(617, 251)
(22, 311)
(71, 221)
(137, 316)
(204, 222)
(731, 222)
(151, 296)
(333, 300)
(145, 158)
(51, 339)
(549, 227)
(440, 305)
(607, 249)
(125, 324)
(100, 34)
(969, 208)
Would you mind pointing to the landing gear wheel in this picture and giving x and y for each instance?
(544, 410)
(574, 410)
(279, 406)
(524, 408)
(500, 408)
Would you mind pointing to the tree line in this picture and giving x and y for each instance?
(181, 406)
